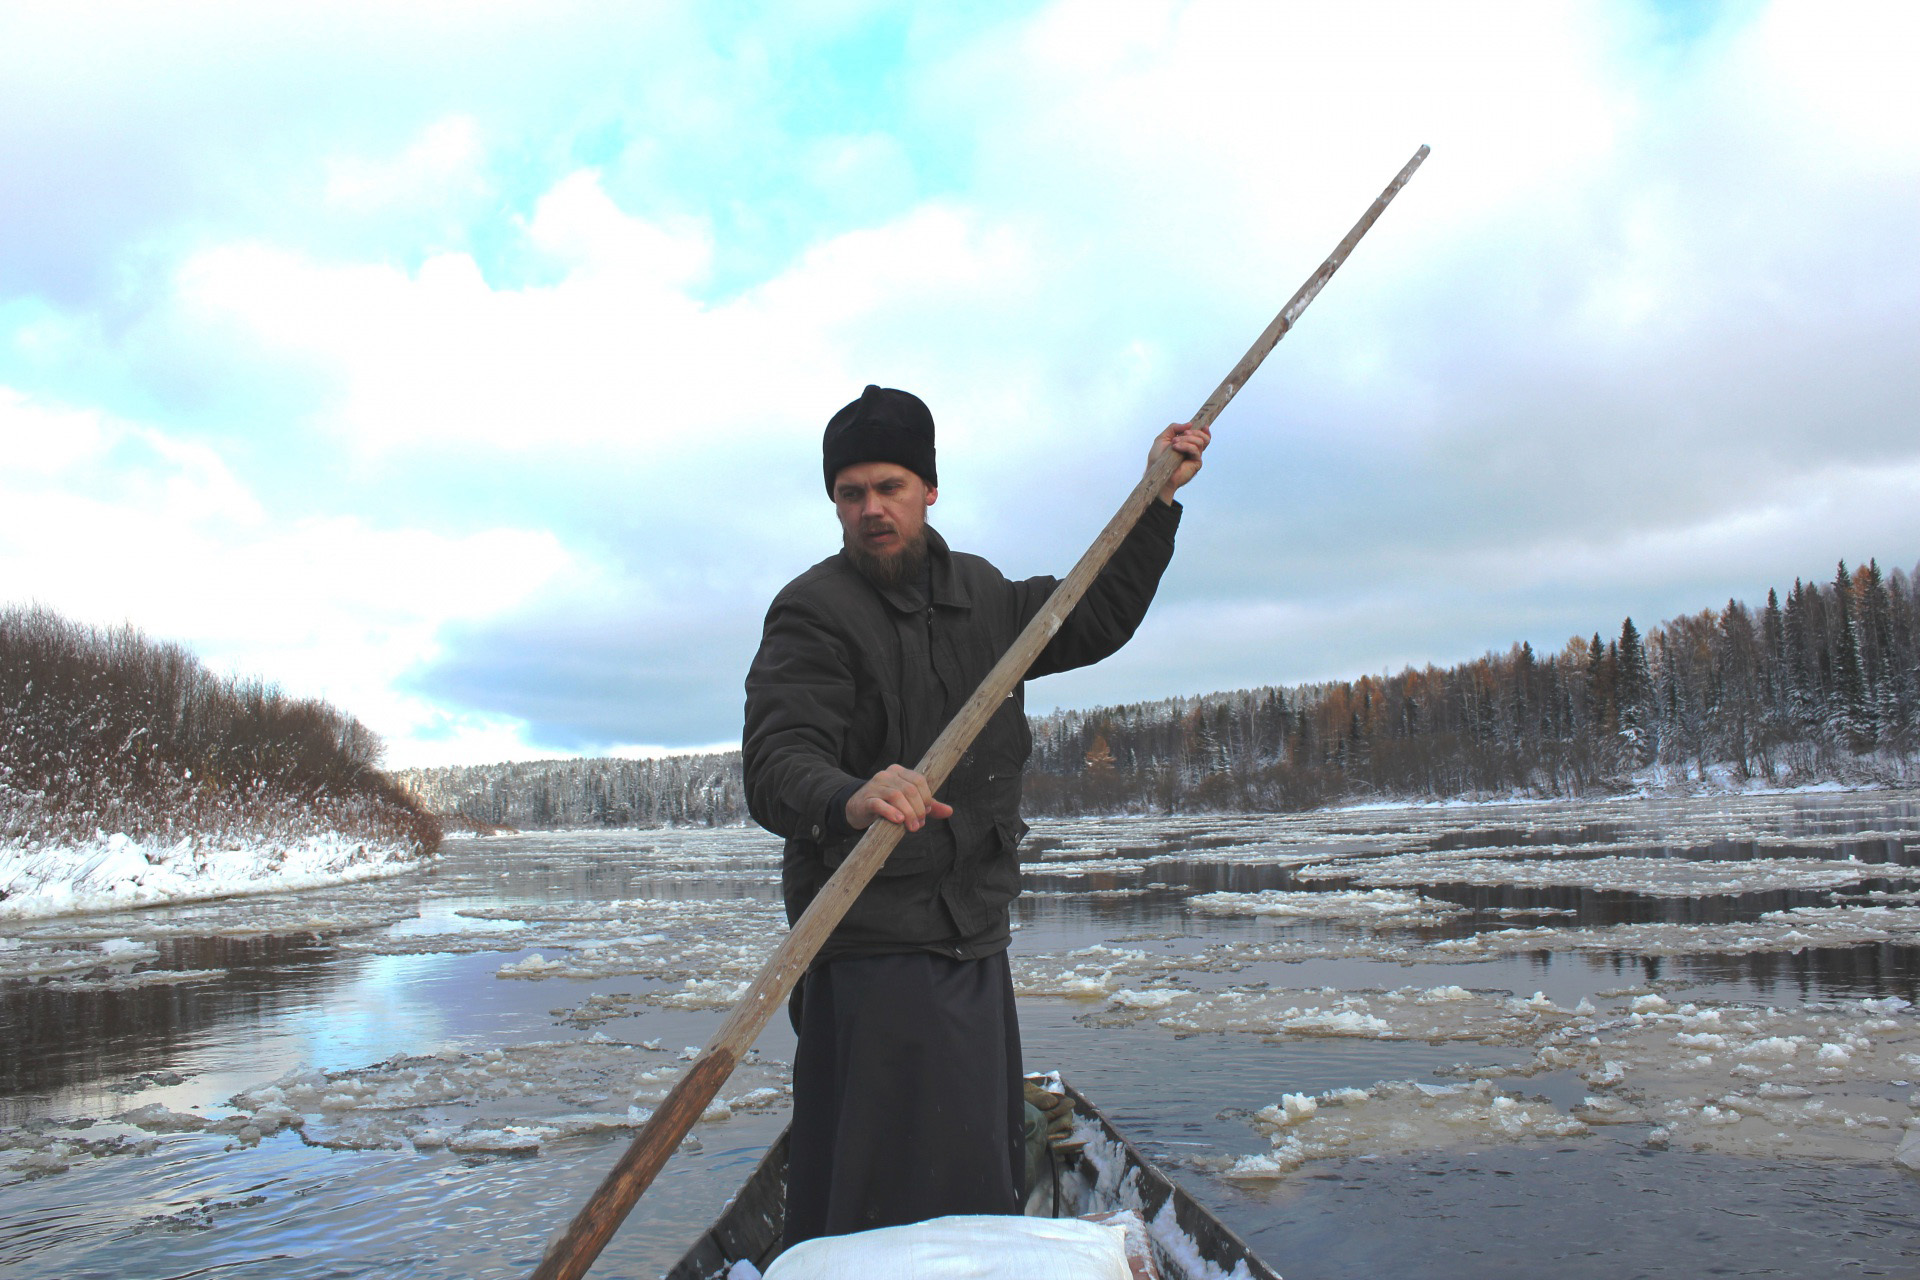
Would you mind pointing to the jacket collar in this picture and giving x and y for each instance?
(910, 597)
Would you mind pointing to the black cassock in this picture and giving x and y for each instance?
(906, 1094)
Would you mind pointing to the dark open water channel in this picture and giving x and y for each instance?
(464, 1115)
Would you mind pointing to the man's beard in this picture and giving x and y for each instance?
(907, 565)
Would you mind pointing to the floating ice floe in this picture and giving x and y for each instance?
(1823, 1080)
(1134, 892)
(1087, 867)
(1392, 1118)
(1380, 907)
(1795, 929)
(1806, 1083)
(515, 1099)
(1088, 973)
(113, 950)
(1433, 1014)
(1145, 1000)
(39, 958)
(704, 952)
(1656, 877)
(136, 981)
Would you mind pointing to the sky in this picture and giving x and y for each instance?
(465, 364)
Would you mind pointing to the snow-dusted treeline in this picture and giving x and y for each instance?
(1825, 685)
(129, 773)
(700, 790)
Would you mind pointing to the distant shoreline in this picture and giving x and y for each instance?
(1695, 791)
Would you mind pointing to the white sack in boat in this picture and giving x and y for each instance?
(965, 1247)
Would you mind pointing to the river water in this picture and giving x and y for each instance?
(1629, 1037)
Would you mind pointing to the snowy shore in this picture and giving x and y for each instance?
(112, 872)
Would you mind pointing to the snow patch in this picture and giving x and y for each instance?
(113, 872)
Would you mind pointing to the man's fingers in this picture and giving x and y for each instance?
(899, 795)
(1191, 441)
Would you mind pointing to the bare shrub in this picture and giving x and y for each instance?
(108, 731)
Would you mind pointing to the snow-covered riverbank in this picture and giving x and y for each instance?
(111, 872)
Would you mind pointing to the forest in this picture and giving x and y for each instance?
(1823, 685)
(689, 790)
(109, 731)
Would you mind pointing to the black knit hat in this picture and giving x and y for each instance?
(883, 425)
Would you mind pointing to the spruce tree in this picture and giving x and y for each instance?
(1906, 656)
(1849, 707)
(1635, 693)
(1804, 691)
(1876, 649)
(1600, 709)
(1773, 656)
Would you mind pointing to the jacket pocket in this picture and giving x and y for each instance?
(999, 873)
(918, 851)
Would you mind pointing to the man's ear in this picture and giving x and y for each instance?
(933, 495)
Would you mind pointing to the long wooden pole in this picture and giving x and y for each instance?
(572, 1252)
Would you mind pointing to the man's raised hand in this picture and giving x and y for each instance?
(1186, 439)
(896, 794)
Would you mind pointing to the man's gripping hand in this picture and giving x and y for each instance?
(1189, 442)
(896, 794)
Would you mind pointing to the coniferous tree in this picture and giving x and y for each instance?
(1805, 692)
(1635, 693)
(1876, 648)
(1739, 704)
(1905, 661)
(1852, 717)
(1773, 631)
(1600, 691)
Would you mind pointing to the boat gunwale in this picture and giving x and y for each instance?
(749, 1226)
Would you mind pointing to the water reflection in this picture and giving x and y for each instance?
(59, 1035)
(1867, 970)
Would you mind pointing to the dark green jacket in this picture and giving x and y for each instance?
(851, 678)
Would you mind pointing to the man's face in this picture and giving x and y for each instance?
(882, 508)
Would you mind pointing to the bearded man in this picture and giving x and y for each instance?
(907, 1091)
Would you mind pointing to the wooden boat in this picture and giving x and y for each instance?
(1106, 1174)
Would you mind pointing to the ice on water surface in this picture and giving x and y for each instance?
(1815, 1081)
(1819, 1080)
(709, 949)
(1371, 937)
(1384, 906)
(513, 1099)
(1662, 877)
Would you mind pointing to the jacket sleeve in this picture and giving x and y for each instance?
(799, 705)
(1114, 605)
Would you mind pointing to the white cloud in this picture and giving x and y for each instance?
(108, 521)
(617, 354)
(1839, 80)
(609, 250)
(446, 157)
